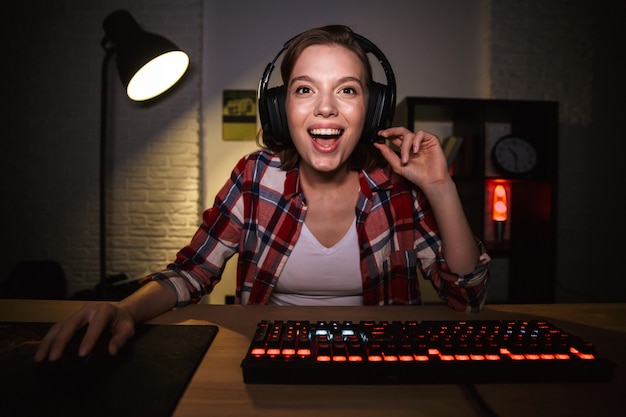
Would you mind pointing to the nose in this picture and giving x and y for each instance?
(326, 105)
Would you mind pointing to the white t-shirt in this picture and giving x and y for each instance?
(317, 275)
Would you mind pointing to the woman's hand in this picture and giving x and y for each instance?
(98, 316)
(149, 301)
(421, 158)
(423, 162)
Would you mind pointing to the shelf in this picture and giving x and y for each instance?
(529, 244)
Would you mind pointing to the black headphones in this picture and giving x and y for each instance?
(380, 108)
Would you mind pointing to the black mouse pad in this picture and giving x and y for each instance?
(146, 378)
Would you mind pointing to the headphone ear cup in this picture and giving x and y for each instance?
(378, 115)
(275, 121)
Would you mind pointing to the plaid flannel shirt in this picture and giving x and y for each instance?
(259, 212)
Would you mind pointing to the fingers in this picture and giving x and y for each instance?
(54, 342)
(98, 317)
(43, 350)
(99, 320)
(388, 154)
(122, 329)
(408, 143)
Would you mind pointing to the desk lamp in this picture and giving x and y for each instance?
(148, 65)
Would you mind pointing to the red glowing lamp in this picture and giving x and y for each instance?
(500, 209)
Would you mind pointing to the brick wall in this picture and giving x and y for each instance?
(154, 193)
(543, 50)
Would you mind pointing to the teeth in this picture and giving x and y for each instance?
(325, 132)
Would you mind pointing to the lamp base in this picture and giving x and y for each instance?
(499, 230)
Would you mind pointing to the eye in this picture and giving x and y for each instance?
(349, 90)
(303, 90)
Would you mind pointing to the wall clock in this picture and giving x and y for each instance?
(514, 155)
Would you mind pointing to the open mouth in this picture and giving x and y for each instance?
(325, 134)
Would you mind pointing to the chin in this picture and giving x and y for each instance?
(329, 169)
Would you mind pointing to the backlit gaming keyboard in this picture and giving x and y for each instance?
(426, 352)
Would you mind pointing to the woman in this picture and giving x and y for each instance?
(324, 218)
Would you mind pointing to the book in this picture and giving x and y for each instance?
(451, 146)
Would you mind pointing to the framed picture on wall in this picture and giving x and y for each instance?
(239, 115)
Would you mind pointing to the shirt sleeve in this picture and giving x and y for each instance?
(199, 265)
(466, 292)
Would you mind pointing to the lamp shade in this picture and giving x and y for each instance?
(148, 64)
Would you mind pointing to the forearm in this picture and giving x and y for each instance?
(151, 300)
(458, 241)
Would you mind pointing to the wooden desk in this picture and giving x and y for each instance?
(217, 387)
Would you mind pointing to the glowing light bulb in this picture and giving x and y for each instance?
(158, 75)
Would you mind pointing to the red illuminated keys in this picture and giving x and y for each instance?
(414, 342)
(257, 346)
(583, 353)
(406, 353)
(355, 349)
(324, 353)
(258, 351)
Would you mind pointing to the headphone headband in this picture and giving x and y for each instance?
(380, 108)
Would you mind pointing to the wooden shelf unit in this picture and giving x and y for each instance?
(529, 243)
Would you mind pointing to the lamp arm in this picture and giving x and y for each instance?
(103, 168)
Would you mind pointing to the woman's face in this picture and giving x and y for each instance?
(326, 104)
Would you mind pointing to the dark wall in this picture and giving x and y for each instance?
(607, 245)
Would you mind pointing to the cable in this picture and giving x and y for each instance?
(485, 409)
